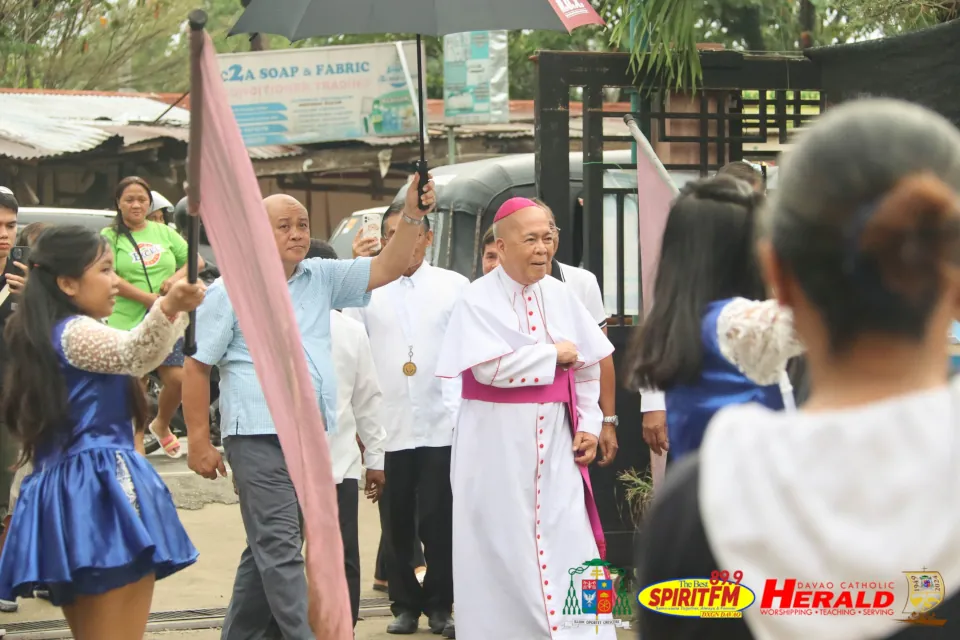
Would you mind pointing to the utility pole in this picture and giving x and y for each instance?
(256, 40)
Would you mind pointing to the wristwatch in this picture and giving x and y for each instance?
(614, 420)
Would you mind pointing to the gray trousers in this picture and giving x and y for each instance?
(269, 599)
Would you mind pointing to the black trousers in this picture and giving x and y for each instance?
(417, 492)
(383, 553)
(348, 501)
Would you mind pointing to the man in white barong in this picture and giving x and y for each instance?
(528, 353)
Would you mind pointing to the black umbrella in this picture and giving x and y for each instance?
(299, 19)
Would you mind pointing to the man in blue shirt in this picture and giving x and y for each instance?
(270, 590)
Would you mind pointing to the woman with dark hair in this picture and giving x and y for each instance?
(862, 243)
(149, 258)
(745, 171)
(711, 339)
(94, 525)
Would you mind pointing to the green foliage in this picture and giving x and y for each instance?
(89, 44)
(661, 35)
(638, 491)
(142, 44)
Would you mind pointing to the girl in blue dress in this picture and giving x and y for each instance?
(94, 525)
(711, 339)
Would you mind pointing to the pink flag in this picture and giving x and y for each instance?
(655, 194)
(236, 222)
(575, 13)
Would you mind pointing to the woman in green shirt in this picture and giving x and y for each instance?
(149, 258)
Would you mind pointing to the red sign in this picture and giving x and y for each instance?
(575, 13)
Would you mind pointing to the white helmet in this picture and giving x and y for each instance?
(159, 202)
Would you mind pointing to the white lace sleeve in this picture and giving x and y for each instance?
(93, 346)
(758, 338)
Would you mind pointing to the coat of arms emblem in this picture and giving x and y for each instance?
(600, 595)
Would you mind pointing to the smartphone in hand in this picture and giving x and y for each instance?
(370, 227)
(22, 255)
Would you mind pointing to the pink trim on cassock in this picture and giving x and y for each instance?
(562, 390)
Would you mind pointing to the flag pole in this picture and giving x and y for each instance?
(644, 147)
(198, 21)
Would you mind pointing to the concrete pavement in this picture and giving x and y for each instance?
(190, 604)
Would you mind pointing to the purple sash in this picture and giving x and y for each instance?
(562, 390)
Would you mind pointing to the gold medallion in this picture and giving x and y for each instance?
(409, 369)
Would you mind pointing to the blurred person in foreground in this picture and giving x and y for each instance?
(358, 421)
(94, 526)
(270, 588)
(711, 339)
(862, 243)
(585, 286)
(529, 355)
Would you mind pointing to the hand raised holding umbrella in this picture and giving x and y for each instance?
(299, 19)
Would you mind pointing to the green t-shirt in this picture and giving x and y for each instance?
(164, 251)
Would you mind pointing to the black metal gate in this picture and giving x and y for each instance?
(745, 101)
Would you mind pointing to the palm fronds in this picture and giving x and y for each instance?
(661, 36)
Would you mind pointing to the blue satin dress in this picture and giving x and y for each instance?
(93, 516)
(690, 407)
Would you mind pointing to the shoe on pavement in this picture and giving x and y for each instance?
(449, 631)
(404, 624)
(438, 622)
(7, 606)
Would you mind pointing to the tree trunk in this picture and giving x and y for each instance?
(808, 22)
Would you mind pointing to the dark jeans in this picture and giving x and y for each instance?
(418, 492)
(270, 590)
(348, 502)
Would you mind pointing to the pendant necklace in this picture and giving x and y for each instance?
(409, 368)
(399, 298)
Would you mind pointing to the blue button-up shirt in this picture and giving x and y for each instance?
(316, 287)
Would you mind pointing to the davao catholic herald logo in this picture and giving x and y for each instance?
(597, 595)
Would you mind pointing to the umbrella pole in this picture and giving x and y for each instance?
(198, 21)
(422, 164)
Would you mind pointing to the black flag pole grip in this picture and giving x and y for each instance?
(422, 168)
(198, 21)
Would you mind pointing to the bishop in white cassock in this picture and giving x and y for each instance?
(523, 510)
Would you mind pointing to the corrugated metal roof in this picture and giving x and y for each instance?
(29, 134)
(85, 108)
(39, 125)
(274, 151)
(134, 133)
